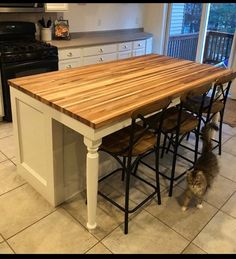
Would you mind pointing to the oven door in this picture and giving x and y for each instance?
(14, 70)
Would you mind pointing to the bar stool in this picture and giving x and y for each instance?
(128, 145)
(214, 104)
(177, 124)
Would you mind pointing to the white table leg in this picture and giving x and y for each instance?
(92, 166)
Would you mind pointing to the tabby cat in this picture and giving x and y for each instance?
(200, 179)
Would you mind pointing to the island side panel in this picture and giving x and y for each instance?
(34, 132)
(51, 157)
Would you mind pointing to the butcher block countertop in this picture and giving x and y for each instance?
(105, 93)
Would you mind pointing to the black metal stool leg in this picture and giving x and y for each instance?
(157, 177)
(174, 164)
(164, 145)
(220, 132)
(123, 171)
(127, 200)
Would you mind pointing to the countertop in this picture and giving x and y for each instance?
(102, 37)
(105, 93)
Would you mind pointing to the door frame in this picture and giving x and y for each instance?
(202, 32)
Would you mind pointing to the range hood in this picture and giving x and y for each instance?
(21, 7)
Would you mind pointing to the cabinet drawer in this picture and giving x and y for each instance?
(66, 64)
(139, 52)
(101, 49)
(124, 46)
(139, 44)
(99, 59)
(69, 53)
(124, 54)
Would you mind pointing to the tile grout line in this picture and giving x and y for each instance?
(13, 189)
(31, 224)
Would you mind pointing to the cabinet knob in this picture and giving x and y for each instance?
(125, 47)
(69, 54)
(68, 66)
(100, 59)
(139, 44)
(101, 50)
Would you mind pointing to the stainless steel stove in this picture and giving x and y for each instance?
(21, 55)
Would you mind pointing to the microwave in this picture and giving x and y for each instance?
(21, 7)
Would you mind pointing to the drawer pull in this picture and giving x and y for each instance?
(69, 54)
(68, 66)
(125, 47)
(101, 50)
(100, 59)
(139, 44)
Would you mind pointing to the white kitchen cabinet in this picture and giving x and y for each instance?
(56, 7)
(99, 54)
(138, 52)
(99, 58)
(139, 44)
(79, 56)
(124, 54)
(125, 46)
(69, 58)
(139, 48)
(100, 49)
(69, 53)
(71, 63)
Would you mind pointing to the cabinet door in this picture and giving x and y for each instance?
(99, 59)
(100, 49)
(70, 63)
(56, 7)
(138, 52)
(124, 54)
(139, 44)
(124, 46)
(68, 53)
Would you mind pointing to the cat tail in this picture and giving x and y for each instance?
(206, 137)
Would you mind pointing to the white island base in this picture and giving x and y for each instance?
(52, 155)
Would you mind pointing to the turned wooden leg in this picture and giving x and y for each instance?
(92, 166)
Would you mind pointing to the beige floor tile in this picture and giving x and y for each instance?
(187, 223)
(6, 129)
(7, 146)
(218, 236)
(9, 179)
(20, 208)
(108, 216)
(58, 233)
(2, 157)
(5, 249)
(147, 235)
(193, 249)
(230, 146)
(230, 206)
(227, 164)
(229, 130)
(13, 159)
(99, 249)
(220, 191)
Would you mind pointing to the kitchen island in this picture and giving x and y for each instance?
(93, 101)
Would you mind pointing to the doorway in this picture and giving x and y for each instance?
(201, 32)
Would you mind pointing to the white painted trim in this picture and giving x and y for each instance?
(202, 32)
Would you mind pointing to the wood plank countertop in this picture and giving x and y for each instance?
(104, 93)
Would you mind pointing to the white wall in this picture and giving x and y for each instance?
(155, 22)
(106, 16)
